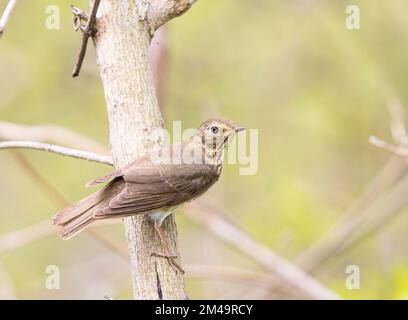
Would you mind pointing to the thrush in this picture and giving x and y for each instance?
(155, 184)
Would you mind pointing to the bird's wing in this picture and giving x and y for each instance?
(108, 177)
(154, 187)
(117, 173)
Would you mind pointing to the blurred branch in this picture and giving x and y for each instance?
(261, 282)
(6, 15)
(37, 177)
(73, 153)
(334, 238)
(38, 231)
(87, 31)
(35, 232)
(350, 229)
(25, 236)
(389, 208)
(240, 240)
(378, 214)
(109, 244)
(398, 132)
(394, 149)
(51, 134)
(259, 279)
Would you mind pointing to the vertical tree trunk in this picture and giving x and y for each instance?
(122, 44)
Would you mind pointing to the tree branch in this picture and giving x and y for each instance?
(87, 31)
(122, 52)
(73, 153)
(6, 15)
(161, 11)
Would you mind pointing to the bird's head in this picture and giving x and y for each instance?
(215, 135)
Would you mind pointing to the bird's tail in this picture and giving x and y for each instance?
(78, 216)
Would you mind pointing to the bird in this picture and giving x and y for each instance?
(155, 184)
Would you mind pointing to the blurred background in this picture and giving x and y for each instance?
(323, 197)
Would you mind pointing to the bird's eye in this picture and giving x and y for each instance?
(214, 130)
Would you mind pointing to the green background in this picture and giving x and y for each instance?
(291, 69)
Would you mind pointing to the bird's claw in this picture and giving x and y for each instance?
(171, 258)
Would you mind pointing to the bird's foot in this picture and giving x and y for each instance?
(171, 258)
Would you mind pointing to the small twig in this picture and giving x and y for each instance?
(88, 31)
(73, 153)
(6, 15)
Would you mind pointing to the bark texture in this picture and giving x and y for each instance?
(161, 11)
(122, 49)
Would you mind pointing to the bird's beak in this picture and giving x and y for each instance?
(239, 128)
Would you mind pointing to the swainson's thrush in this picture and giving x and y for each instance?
(155, 184)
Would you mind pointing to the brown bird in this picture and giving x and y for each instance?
(155, 184)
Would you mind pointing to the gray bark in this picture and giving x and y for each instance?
(122, 43)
